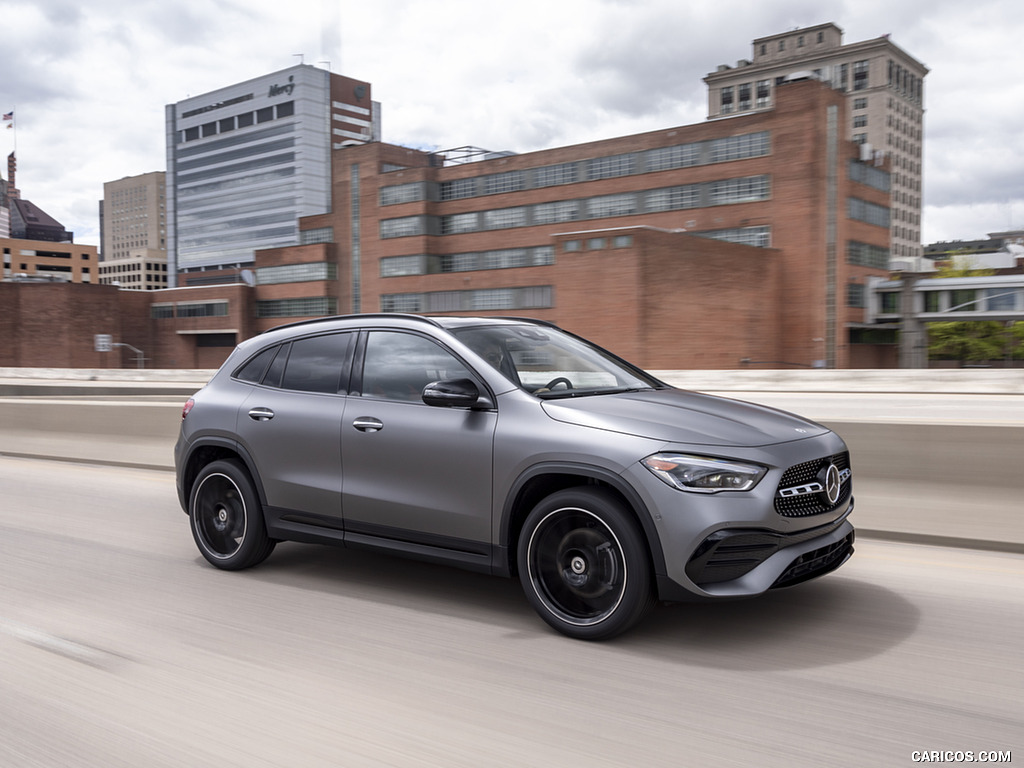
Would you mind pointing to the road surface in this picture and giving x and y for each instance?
(120, 647)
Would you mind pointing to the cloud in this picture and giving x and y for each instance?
(90, 80)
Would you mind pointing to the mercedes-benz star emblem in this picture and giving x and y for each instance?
(831, 482)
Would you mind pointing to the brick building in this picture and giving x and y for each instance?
(744, 241)
(783, 224)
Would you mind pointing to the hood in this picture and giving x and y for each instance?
(679, 416)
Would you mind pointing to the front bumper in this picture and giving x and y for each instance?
(741, 544)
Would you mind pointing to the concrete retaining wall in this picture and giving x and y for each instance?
(933, 483)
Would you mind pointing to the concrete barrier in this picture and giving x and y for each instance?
(1008, 381)
(939, 483)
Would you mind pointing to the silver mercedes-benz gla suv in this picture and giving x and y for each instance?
(512, 447)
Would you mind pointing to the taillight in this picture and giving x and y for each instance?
(187, 407)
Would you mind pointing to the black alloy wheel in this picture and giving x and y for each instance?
(583, 564)
(226, 517)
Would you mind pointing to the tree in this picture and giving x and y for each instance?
(973, 341)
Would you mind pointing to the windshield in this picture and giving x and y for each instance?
(550, 363)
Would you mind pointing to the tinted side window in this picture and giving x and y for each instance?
(316, 364)
(397, 366)
(254, 369)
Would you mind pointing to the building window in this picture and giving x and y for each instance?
(867, 255)
(1000, 299)
(483, 300)
(862, 210)
(726, 99)
(504, 218)
(319, 235)
(460, 262)
(763, 93)
(889, 303)
(569, 246)
(403, 227)
(161, 311)
(855, 295)
(458, 189)
(498, 183)
(552, 175)
(401, 193)
(622, 241)
(860, 121)
(759, 237)
(871, 176)
(744, 97)
(610, 167)
(860, 103)
(667, 158)
(743, 190)
(611, 205)
(296, 273)
(860, 75)
(596, 244)
(673, 198)
(312, 306)
(964, 301)
(552, 213)
(740, 147)
(201, 309)
(396, 266)
(401, 302)
(459, 222)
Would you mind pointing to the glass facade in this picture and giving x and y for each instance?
(244, 163)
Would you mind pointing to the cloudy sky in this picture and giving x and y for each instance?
(89, 81)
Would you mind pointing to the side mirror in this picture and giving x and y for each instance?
(454, 393)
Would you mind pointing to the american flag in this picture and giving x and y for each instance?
(9, 115)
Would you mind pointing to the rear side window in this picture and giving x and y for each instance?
(317, 363)
(253, 370)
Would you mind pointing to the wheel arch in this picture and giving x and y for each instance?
(210, 449)
(540, 481)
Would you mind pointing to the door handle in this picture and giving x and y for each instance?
(261, 414)
(368, 424)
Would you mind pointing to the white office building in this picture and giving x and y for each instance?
(245, 162)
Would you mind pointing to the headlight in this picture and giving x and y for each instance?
(704, 474)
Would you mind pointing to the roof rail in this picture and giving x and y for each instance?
(331, 318)
(534, 320)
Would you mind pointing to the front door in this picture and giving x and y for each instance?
(412, 471)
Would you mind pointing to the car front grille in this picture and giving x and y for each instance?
(802, 489)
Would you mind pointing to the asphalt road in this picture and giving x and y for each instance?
(119, 647)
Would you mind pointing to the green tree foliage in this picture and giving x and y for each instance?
(977, 341)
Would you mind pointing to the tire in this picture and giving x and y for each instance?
(226, 517)
(584, 565)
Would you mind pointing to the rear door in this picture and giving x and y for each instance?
(291, 425)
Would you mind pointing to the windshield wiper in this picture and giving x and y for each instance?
(566, 393)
